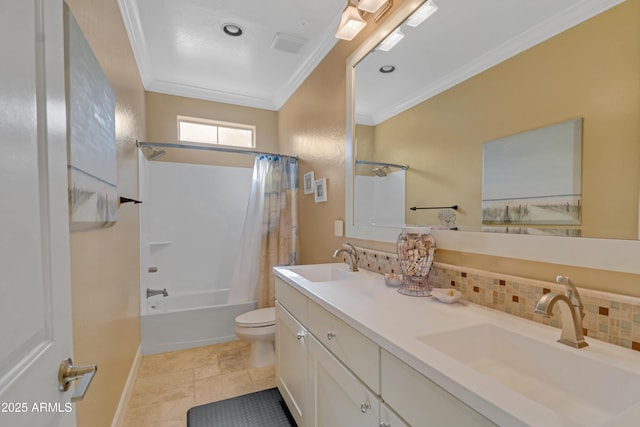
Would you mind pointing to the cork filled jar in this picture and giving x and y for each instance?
(416, 248)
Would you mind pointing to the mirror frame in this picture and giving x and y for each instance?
(604, 254)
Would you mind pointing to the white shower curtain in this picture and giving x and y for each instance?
(269, 237)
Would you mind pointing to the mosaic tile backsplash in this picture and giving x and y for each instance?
(608, 317)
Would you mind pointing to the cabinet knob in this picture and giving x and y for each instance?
(331, 335)
(364, 407)
(300, 336)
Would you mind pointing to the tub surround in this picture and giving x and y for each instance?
(396, 322)
(609, 317)
(188, 320)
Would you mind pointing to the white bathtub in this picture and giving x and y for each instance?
(188, 320)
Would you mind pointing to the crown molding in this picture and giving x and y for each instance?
(188, 91)
(133, 26)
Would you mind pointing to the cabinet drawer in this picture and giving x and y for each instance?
(295, 302)
(419, 400)
(357, 352)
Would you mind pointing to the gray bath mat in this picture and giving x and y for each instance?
(261, 409)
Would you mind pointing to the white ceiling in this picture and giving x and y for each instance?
(180, 47)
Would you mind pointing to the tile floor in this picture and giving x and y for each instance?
(169, 384)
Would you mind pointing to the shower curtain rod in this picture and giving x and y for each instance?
(141, 144)
(391, 165)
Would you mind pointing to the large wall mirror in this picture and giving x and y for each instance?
(431, 102)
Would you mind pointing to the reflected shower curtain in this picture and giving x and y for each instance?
(270, 233)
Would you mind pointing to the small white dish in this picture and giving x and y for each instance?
(448, 296)
(393, 279)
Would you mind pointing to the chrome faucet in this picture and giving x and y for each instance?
(572, 312)
(152, 292)
(353, 256)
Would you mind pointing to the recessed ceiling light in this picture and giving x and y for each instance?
(385, 69)
(232, 30)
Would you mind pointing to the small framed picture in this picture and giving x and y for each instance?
(308, 183)
(321, 190)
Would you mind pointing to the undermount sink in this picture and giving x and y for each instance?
(580, 390)
(324, 272)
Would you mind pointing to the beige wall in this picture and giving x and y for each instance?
(312, 125)
(590, 71)
(105, 264)
(162, 112)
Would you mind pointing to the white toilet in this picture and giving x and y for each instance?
(259, 328)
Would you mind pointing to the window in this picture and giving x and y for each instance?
(218, 133)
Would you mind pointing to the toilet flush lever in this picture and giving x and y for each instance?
(68, 372)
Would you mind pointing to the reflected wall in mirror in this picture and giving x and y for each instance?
(446, 98)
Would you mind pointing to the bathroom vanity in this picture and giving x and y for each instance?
(351, 351)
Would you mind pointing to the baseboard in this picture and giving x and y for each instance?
(118, 418)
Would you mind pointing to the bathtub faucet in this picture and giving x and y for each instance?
(152, 292)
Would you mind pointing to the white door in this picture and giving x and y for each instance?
(35, 319)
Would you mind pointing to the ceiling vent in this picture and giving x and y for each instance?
(288, 42)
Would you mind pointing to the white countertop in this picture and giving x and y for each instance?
(394, 321)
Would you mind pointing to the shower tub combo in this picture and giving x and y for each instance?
(187, 320)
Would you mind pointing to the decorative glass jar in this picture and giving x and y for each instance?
(416, 248)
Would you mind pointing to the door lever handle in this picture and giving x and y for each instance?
(69, 372)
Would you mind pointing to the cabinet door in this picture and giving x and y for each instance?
(388, 418)
(291, 362)
(338, 397)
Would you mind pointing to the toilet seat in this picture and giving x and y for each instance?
(257, 318)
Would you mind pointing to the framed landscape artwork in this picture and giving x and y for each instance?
(534, 177)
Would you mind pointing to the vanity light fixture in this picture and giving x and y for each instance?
(420, 15)
(351, 23)
(371, 6)
(392, 39)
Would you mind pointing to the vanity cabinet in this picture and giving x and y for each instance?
(329, 374)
